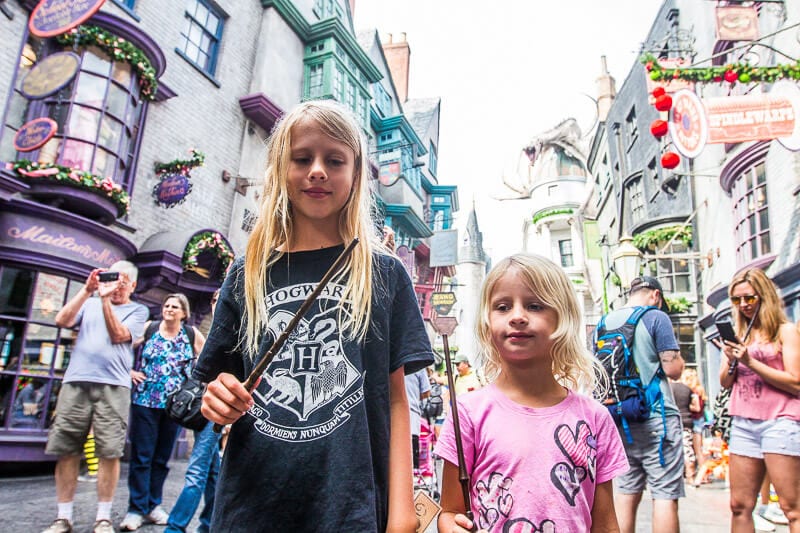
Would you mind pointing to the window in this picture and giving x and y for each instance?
(432, 159)
(636, 200)
(565, 251)
(338, 83)
(751, 214)
(328, 8)
(34, 352)
(382, 99)
(684, 333)
(315, 80)
(631, 127)
(676, 273)
(98, 116)
(201, 34)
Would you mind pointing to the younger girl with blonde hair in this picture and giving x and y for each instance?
(540, 456)
(323, 442)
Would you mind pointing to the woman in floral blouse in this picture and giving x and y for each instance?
(166, 360)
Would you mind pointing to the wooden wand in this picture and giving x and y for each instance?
(463, 477)
(252, 380)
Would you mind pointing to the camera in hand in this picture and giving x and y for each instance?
(105, 277)
(727, 333)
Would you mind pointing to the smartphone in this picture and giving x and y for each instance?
(105, 277)
(726, 332)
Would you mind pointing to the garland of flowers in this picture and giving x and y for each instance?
(648, 240)
(206, 241)
(181, 166)
(731, 72)
(120, 50)
(80, 179)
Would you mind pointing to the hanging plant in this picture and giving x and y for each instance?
(119, 50)
(731, 72)
(182, 166)
(649, 240)
(678, 305)
(203, 242)
(31, 170)
(552, 212)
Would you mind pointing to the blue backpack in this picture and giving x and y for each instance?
(628, 399)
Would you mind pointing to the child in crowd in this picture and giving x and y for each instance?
(323, 442)
(540, 456)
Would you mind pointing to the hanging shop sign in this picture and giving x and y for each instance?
(172, 189)
(443, 302)
(34, 134)
(444, 248)
(389, 173)
(737, 23)
(50, 75)
(54, 17)
(735, 119)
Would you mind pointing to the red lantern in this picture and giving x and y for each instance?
(658, 91)
(664, 102)
(670, 160)
(731, 76)
(659, 128)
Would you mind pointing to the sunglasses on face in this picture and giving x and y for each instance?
(748, 299)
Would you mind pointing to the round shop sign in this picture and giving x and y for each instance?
(35, 134)
(172, 189)
(49, 75)
(54, 17)
(688, 123)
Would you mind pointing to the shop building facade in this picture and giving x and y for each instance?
(139, 135)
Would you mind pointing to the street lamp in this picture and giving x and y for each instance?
(627, 261)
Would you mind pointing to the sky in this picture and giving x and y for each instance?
(507, 71)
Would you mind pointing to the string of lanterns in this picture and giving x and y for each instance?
(660, 127)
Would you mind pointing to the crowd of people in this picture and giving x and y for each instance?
(330, 434)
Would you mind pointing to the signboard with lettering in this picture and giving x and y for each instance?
(736, 119)
(34, 134)
(31, 233)
(54, 17)
(49, 75)
(444, 325)
(737, 23)
(172, 189)
(444, 248)
(443, 302)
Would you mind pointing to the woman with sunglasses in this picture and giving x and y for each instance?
(765, 406)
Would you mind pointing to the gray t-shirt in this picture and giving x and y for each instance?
(95, 359)
(654, 334)
(417, 384)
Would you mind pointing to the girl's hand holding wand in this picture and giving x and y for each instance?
(225, 400)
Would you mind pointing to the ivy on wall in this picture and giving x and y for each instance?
(650, 239)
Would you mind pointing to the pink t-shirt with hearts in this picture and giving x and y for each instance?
(534, 470)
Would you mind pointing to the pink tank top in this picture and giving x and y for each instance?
(752, 397)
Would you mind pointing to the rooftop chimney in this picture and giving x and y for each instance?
(398, 56)
(606, 91)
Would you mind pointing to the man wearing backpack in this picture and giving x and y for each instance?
(652, 445)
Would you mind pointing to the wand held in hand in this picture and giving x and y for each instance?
(255, 375)
(463, 477)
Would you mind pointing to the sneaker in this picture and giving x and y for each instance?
(131, 522)
(762, 524)
(158, 516)
(774, 514)
(87, 478)
(60, 525)
(103, 526)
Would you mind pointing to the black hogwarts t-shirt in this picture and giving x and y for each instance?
(313, 452)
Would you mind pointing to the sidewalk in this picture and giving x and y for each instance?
(27, 503)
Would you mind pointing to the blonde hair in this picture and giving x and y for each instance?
(274, 228)
(770, 315)
(573, 365)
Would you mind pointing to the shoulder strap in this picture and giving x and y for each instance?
(151, 329)
(189, 330)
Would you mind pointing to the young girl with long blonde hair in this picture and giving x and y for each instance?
(539, 455)
(323, 442)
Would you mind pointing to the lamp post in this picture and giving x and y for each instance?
(627, 261)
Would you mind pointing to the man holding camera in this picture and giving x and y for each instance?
(95, 392)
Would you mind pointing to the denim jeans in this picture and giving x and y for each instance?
(152, 436)
(201, 481)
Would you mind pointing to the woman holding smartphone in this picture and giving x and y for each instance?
(764, 405)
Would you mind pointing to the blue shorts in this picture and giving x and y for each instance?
(697, 425)
(754, 438)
